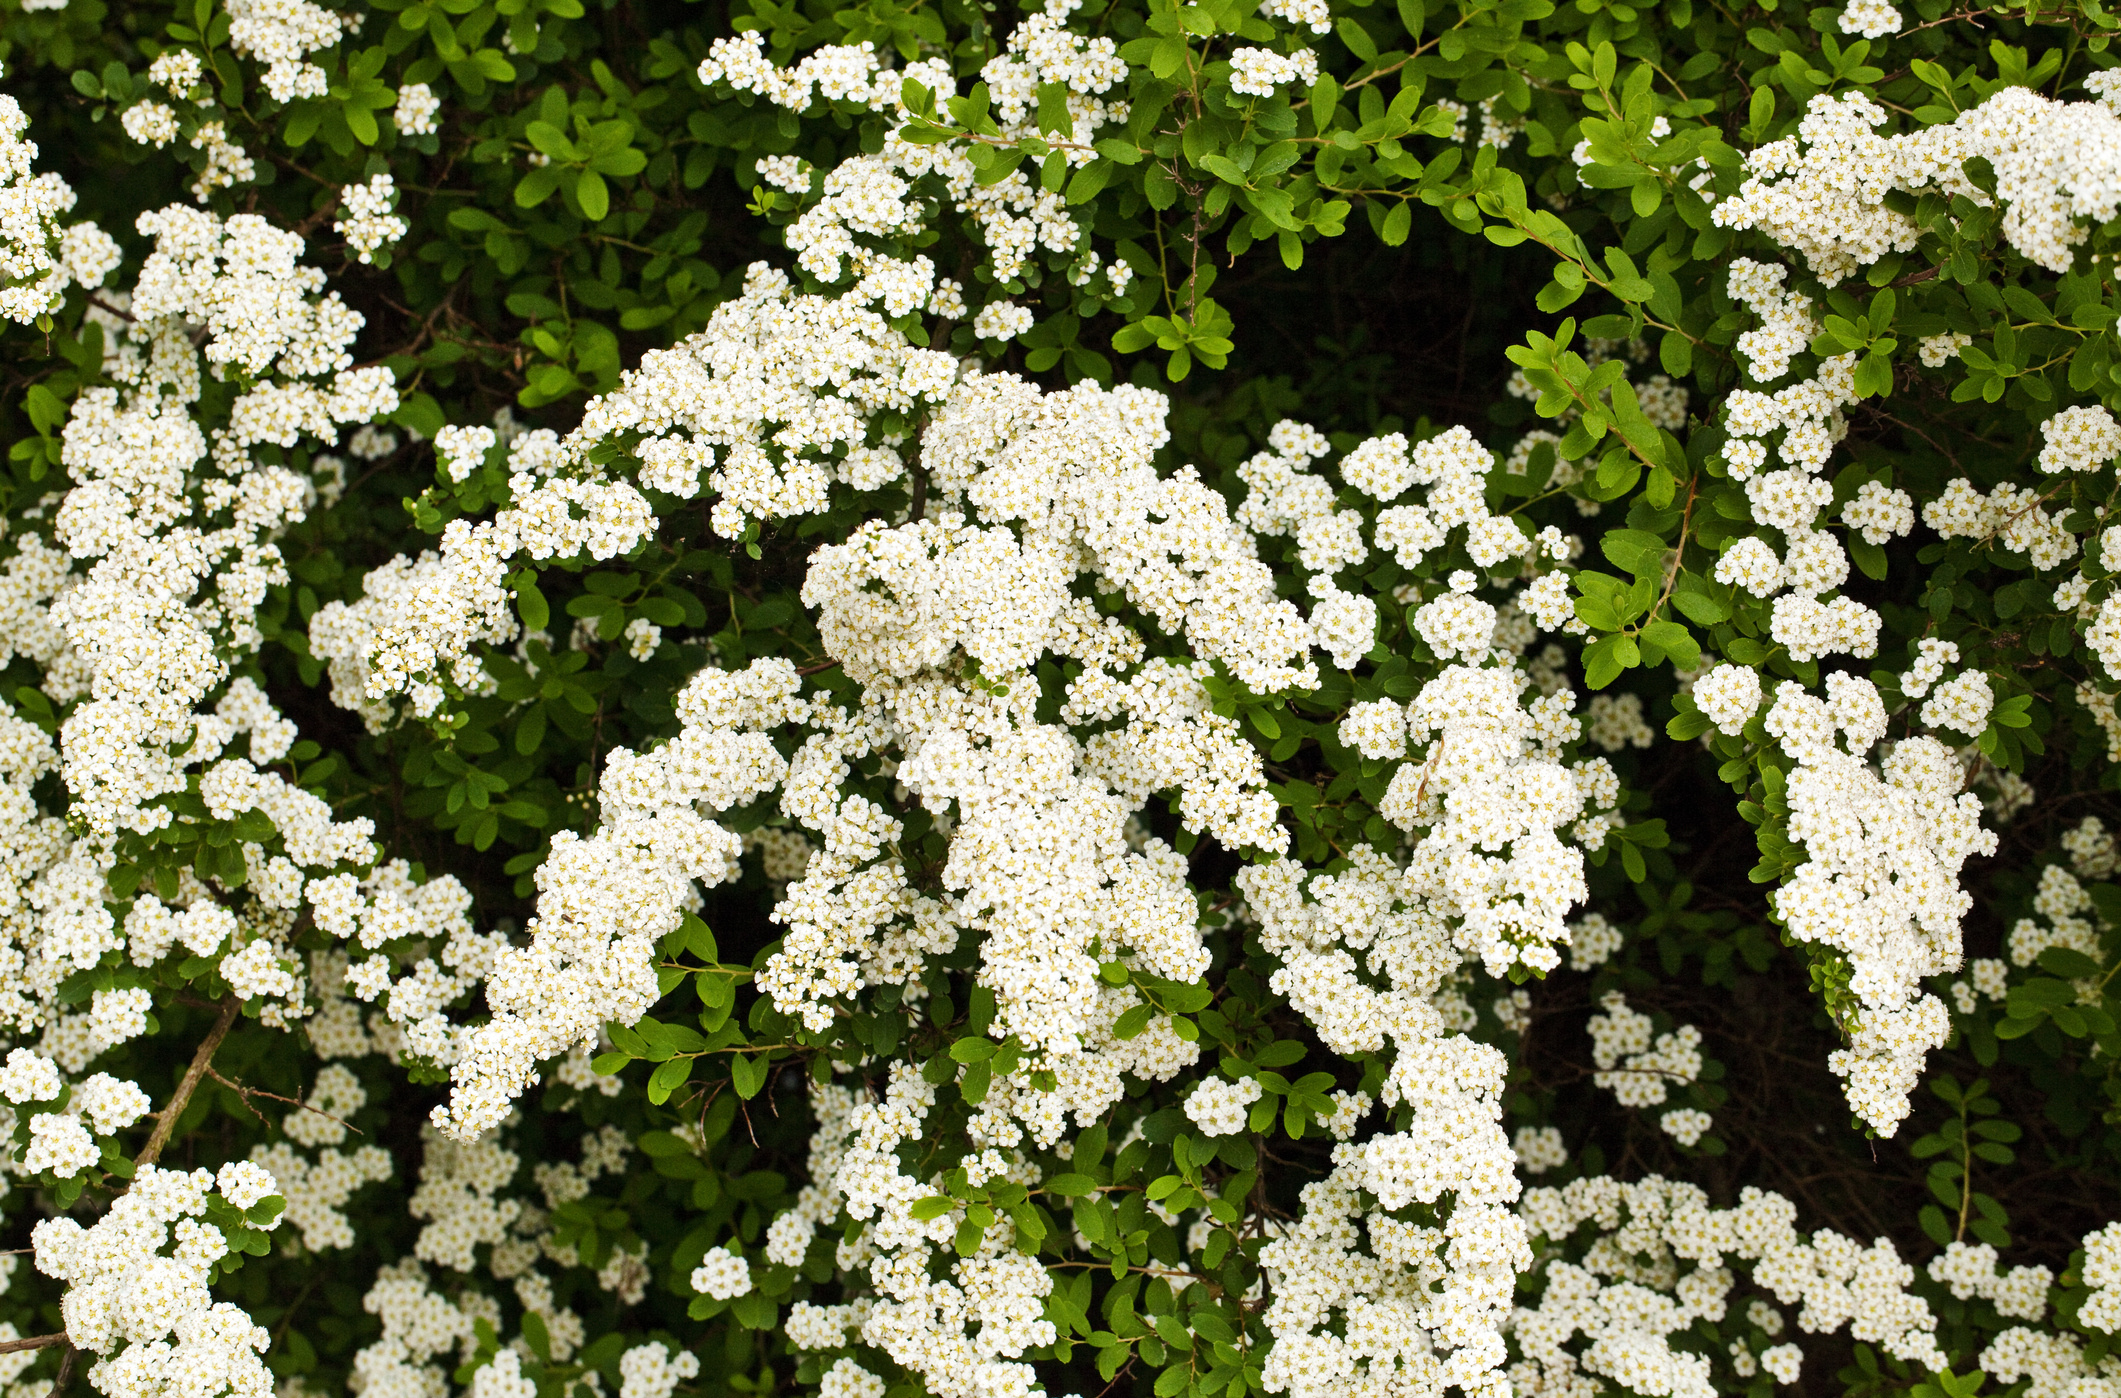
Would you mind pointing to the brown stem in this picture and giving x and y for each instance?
(246, 1093)
(1686, 522)
(33, 1342)
(201, 1063)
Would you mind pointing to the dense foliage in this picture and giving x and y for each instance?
(1323, 697)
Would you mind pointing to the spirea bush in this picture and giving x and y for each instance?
(1176, 700)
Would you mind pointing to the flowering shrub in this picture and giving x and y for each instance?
(919, 699)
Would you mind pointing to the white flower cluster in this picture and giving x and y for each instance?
(1415, 925)
(865, 195)
(1285, 499)
(274, 31)
(39, 260)
(2063, 904)
(1628, 1293)
(2054, 1364)
(650, 1370)
(171, 523)
(416, 110)
(2013, 516)
(367, 221)
(1881, 884)
(722, 1275)
(1730, 695)
(1873, 19)
(418, 618)
(1822, 192)
(2102, 1275)
(1970, 1270)
(1592, 942)
(282, 34)
(181, 559)
(145, 1311)
(941, 622)
(1808, 417)
(1258, 72)
(1640, 1066)
(1039, 861)
(1218, 1106)
(1484, 775)
(1884, 844)
(63, 1141)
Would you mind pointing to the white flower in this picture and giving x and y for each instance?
(722, 1275)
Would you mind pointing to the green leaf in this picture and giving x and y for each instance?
(593, 195)
(1677, 643)
(1607, 657)
(668, 1077)
(747, 1073)
(1357, 39)
(530, 730)
(538, 186)
(2074, 965)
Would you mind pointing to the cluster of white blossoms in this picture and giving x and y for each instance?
(1489, 780)
(177, 532)
(317, 1189)
(1258, 72)
(867, 195)
(1881, 884)
(2063, 902)
(651, 1371)
(2102, 1275)
(273, 31)
(1969, 1269)
(366, 220)
(1873, 19)
(1219, 1107)
(1822, 192)
(415, 114)
(2013, 516)
(1806, 418)
(179, 521)
(282, 34)
(1640, 1067)
(137, 599)
(488, 1238)
(136, 1285)
(1885, 842)
(40, 259)
(63, 1140)
(1036, 503)
(1628, 1268)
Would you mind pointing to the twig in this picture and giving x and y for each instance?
(66, 1372)
(1686, 522)
(1971, 16)
(201, 1064)
(33, 1342)
(246, 1093)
